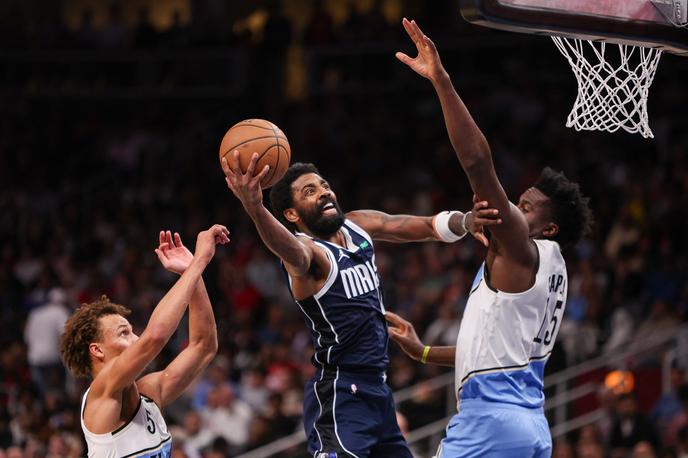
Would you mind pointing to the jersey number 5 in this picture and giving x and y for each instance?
(552, 328)
(150, 424)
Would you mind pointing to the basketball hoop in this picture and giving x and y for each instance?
(612, 90)
(613, 47)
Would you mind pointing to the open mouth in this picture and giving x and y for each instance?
(328, 209)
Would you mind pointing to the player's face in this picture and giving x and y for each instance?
(316, 205)
(535, 207)
(116, 335)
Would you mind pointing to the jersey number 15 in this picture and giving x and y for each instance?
(551, 329)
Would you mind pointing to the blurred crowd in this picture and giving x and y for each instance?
(86, 185)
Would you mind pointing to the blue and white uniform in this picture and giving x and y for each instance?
(144, 436)
(348, 406)
(503, 344)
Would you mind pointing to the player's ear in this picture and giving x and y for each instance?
(551, 230)
(291, 215)
(96, 351)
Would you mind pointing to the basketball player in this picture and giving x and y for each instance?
(518, 296)
(121, 413)
(329, 261)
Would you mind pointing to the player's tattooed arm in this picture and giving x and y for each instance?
(394, 228)
(403, 333)
(408, 228)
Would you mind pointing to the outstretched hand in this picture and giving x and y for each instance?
(403, 333)
(207, 240)
(245, 186)
(481, 215)
(172, 253)
(427, 63)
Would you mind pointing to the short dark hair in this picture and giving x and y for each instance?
(570, 210)
(281, 196)
(82, 329)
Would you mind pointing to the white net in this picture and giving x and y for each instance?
(612, 90)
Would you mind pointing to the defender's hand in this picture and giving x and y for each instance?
(427, 63)
(206, 241)
(403, 333)
(245, 186)
(172, 253)
(480, 216)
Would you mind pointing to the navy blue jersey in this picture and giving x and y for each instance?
(346, 317)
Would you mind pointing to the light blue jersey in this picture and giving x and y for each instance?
(502, 348)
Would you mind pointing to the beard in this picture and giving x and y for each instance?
(320, 225)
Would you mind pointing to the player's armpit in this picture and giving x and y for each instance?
(150, 387)
(308, 283)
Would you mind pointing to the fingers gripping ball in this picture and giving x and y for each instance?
(262, 137)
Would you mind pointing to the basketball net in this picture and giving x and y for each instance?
(612, 90)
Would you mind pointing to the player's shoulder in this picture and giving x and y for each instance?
(548, 246)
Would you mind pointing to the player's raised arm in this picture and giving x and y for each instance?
(471, 148)
(166, 385)
(298, 255)
(447, 226)
(163, 322)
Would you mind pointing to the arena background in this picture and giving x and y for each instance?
(111, 114)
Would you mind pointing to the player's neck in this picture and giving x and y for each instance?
(336, 238)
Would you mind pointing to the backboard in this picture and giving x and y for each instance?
(634, 22)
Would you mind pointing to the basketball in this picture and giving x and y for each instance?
(262, 137)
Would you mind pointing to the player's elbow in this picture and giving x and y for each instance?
(209, 354)
(155, 336)
(475, 162)
(210, 347)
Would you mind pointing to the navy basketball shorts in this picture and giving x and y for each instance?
(349, 414)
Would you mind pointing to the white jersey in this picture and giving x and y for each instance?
(144, 436)
(506, 338)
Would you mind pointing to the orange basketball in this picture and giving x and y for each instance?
(262, 137)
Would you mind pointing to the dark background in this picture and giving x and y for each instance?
(111, 115)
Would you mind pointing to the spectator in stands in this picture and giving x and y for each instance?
(115, 33)
(669, 406)
(42, 332)
(215, 375)
(662, 320)
(227, 417)
(193, 434)
(445, 328)
(145, 36)
(644, 450)
(682, 442)
(630, 426)
(562, 449)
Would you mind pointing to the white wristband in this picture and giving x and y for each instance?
(441, 225)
